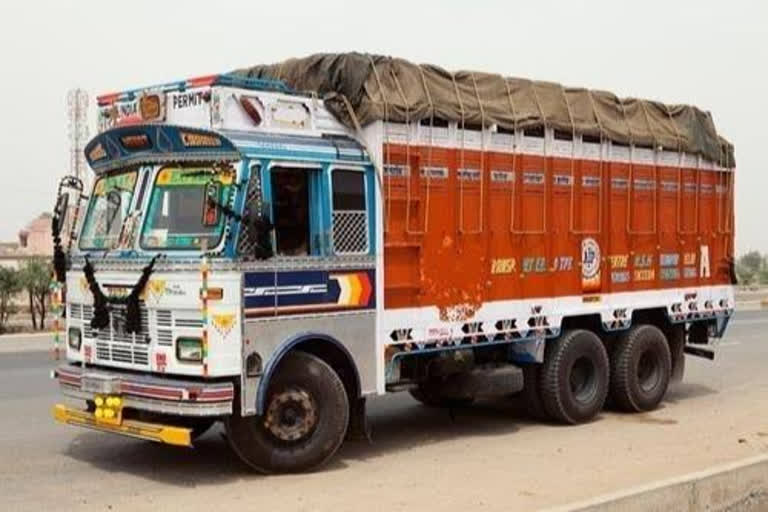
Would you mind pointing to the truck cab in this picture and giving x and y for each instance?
(231, 221)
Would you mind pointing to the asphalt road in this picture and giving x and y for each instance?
(486, 457)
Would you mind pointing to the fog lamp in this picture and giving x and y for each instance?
(189, 349)
(74, 338)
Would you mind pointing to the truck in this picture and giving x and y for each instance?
(267, 248)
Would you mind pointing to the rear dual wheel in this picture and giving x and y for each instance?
(640, 369)
(304, 422)
(574, 377)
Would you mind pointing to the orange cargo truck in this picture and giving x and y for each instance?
(279, 243)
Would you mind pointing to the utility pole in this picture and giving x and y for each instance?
(77, 127)
(77, 113)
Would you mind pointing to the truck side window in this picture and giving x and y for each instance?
(290, 210)
(350, 218)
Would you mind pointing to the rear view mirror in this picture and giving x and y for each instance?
(113, 207)
(211, 204)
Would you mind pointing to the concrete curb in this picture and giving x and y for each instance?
(715, 489)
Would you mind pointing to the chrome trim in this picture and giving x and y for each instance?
(160, 406)
(150, 393)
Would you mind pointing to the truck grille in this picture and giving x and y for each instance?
(115, 347)
(113, 344)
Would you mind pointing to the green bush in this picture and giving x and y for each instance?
(10, 285)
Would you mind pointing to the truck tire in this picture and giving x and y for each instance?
(304, 423)
(640, 369)
(431, 398)
(531, 393)
(575, 377)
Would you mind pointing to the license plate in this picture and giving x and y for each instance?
(100, 384)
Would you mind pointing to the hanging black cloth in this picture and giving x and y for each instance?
(101, 302)
(59, 258)
(100, 318)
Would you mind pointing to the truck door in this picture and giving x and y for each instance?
(296, 210)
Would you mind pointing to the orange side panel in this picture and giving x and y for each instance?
(463, 227)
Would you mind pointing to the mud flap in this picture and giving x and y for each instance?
(359, 428)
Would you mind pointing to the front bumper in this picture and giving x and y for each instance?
(138, 429)
(148, 393)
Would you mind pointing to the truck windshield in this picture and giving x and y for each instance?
(107, 210)
(178, 205)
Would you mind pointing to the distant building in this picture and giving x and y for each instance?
(34, 241)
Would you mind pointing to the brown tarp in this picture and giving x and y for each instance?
(362, 88)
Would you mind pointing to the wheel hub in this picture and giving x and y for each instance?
(648, 371)
(583, 380)
(291, 415)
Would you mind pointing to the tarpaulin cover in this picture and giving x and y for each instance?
(362, 88)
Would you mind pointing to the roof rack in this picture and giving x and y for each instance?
(228, 79)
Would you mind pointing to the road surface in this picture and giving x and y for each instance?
(487, 457)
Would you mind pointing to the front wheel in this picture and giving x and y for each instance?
(304, 423)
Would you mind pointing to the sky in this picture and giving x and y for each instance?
(710, 54)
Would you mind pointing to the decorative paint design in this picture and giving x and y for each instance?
(307, 291)
(204, 269)
(590, 265)
(535, 264)
(155, 289)
(82, 283)
(56, 305)
(646, 274)
(618, 260)
(704, 270)
(669, 260)
(643, 260)
(355, 289)
(223, 323)
(562, 264)
(503, 266)
(669, 274)
(620, 276)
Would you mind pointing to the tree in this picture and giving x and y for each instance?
(9, 287)
(762, 276)
(35, 278)
(749, 267)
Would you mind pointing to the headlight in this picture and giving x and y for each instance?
(189, 349)
(74, 338)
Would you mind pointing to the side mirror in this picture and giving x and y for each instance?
(60, 213)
